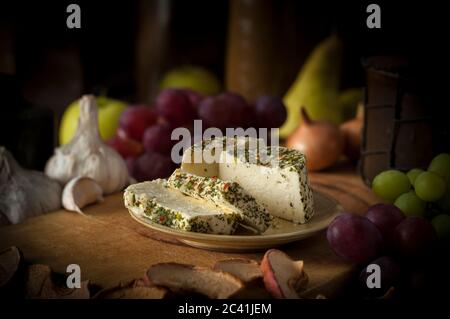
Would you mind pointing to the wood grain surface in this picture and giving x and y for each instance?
(111, 247)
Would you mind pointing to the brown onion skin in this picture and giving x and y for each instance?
(321, 142)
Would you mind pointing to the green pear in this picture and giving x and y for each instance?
(316, 87)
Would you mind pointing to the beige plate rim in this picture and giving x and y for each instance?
(229, 239)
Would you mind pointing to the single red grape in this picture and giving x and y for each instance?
(157, 138)
(194, 97)
(270, 111)
(151, 165)
(386, 217)
(227, 110)
(135, 119)
(130, 161)
(124, 145)
(175, 107)
(390, 275)
(414, 236)
(354, 238)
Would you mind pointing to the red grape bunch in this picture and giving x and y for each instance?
(144, 135)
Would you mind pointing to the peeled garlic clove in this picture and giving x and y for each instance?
(80, 192)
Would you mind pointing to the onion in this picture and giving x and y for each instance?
(320, 141)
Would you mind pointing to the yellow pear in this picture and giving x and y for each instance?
(316, 87)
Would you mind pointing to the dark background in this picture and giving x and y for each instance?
(44, 65)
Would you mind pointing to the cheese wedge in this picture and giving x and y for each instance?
(169, 207)
(224, 194)
(275, 176)
(280, 182)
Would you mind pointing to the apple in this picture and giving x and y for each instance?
(109, 111)
(283, 277)
(191, 77)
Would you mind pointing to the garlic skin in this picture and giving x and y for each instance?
(80, 192)
(24, 193)
(87, 156)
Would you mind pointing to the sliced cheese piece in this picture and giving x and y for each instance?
(226, 194)
(169, 207)
(275, 176)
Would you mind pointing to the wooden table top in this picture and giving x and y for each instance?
(111, 247)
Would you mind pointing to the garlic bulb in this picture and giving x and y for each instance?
(87, 156)
(24, 193)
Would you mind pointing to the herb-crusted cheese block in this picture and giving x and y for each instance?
(169, 207)
(280, 182)
(226, 194)
(275, 176)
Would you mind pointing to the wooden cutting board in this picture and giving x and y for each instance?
(111, 247)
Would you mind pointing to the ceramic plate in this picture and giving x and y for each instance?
(326, 209)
